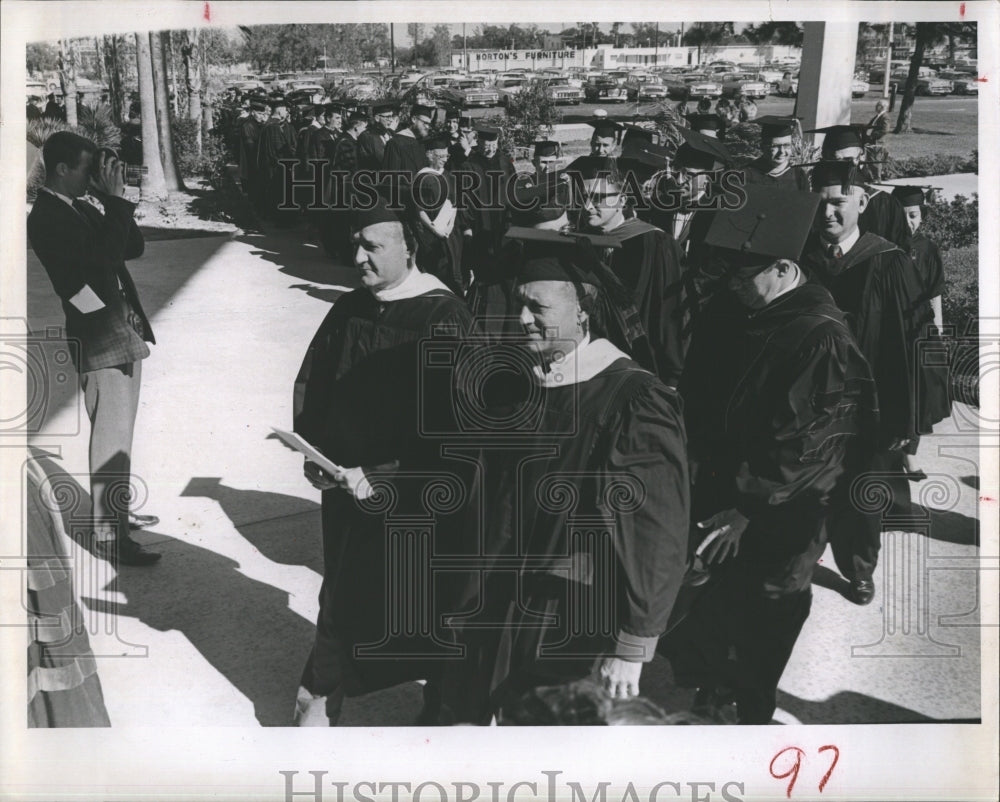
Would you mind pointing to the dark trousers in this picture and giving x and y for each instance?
(111, 397)
(855, 519)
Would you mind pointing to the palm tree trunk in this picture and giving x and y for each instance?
(191, 54)
(153, 185)
(158, 60)
(67, 77)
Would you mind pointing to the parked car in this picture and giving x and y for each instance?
(788, 86)
(645, 87)
(467, 92)
(933, 85)
(702, 86)
(559, 90)
(745, 85)
(619, 76)
(859, 86)
(506, 88)
(604, 88)
(962, 83)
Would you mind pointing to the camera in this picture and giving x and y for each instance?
(133, 172)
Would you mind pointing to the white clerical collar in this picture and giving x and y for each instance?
(785, 169)
(580, 365)
(415, 284)
(64, 198)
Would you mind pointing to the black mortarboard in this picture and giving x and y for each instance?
(909, 196)
(379, 213)
(277, 102)
(538, 201)
(638, 132)
(702, 122)
(656, 156)
(700, 152)
(835, 173)
(546, 148)
(465, 122)
(357, 117)
(591, 167)
(258, 105)
(838, 137)
(772, 126)
(419, 110)
(452, 114)
(333, 108)
(773, 223)
(438, 142)
(317, 110)
(603, 127)
(388, 107)
(488, 133)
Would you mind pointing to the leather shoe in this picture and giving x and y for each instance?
(137, 521)
(862, 591)
(125, 552)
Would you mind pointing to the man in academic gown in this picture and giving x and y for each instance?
(875, 284)
(365, 398)
(648, 263)
(774, 167)
(775, 442)
(883, 215)
(277, 141)
(249, 138)
(460, 150)
(494, 171)
(560, 598)
(405, 151)
(371, 144)
(335, 224)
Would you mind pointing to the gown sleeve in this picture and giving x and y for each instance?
(814, 423)
(650, 510)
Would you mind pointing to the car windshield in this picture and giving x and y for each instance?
(470, 84)
(509, 84)
(556, 82)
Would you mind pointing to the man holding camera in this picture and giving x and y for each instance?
(83, 250)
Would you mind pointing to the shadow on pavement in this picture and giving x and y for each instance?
(296, 255)
(262, 518)
(848, 707)
(242, 627)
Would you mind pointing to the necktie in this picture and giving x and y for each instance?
(836, 252)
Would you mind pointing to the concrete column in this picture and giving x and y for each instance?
(828, 50)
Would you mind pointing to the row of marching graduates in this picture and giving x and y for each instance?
(720, 356)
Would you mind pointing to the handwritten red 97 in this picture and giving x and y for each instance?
(796, 764)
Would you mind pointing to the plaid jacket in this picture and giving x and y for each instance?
(80, 246)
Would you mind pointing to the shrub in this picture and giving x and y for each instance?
(189, 161)
(528, 112)
(960, 303)
(98, 125)
(939, 164)
(953, 224)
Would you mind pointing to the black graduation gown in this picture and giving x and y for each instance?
(371, 150)
(935, 392)
(792, 428)
(334, 221)
(437, 256)
(649, 265)
(361, 398)
(490, 222)
(793, 178)
(277, 141)
(886, 217)
(406, 153)
(565, 522)
(491, 293)
(249, 135)
(875, 285)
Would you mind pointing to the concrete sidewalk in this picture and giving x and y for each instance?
(217, 632)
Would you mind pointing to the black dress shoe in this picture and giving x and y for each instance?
(137, 521)
(125, 552)
(862, 592)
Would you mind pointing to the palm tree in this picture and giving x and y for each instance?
(191, 54)
(154, 186)
(926, 33)
(67, 77)
(158, 61)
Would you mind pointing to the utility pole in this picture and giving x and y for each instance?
(465, 48)
(888, 64)
(656, 47)
(392, 46)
